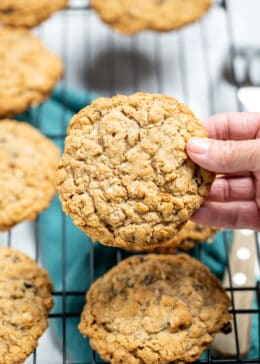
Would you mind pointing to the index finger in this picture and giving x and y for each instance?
(233, 126)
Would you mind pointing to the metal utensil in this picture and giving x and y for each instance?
(244, 72)
(245, 75)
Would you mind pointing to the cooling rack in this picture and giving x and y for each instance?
(170, 71)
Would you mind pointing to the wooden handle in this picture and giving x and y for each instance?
(242, 265)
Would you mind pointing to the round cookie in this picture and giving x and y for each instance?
(28, 13)
(132, 16)
(28, 71)
(27, 172)
(125, 177)
(155, 309)
(25, 301)
(189, 236)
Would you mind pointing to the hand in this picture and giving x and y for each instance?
(233, 150)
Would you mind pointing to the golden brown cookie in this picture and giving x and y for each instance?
(132, 16)
(27, 172)
(125, 177)
(28, 13)
(189, 236)
(25, 301)
(155, 309)
(28, 71)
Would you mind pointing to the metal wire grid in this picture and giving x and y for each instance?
(36, 114)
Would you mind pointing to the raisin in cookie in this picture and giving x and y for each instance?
(28, 71)
(155, 309)
(25, 301)
(28, 13)
(27, 172)
(125, 177)
(189, 236)
(131, 16)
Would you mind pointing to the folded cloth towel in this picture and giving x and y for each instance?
(65, 249)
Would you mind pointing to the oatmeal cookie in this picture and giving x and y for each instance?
(125, 176)
(25, 301)
(155, 309)
(28, 71)
(132, 16)
(27, 172)
(28, 13)
(189, 236)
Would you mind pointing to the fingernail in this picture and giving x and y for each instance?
(198, 145)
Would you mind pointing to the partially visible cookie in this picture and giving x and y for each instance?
(27, 172)
(155, 309)
(125, 176)
(28, 13)
(189, 236)
(28, 71)
(25, 301)
(132, 16)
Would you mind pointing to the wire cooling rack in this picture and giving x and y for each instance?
(102, 76)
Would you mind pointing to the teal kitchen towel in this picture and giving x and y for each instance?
(65, 249)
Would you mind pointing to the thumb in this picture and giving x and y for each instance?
(225, 156)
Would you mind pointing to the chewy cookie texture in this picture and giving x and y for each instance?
(125, 177)
(155, 309)
(28, 13)
(131, 16)
(27, 172)
(190, 235)
(25, 301)
(28, 71)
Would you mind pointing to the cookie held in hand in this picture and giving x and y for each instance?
(155, 309)
(125, 177)
(25, 301)
(188, 237)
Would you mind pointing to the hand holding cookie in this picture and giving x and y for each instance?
(234, 150)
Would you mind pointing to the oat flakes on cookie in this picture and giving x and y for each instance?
(28, 13)
(155, 309)
(25, 301)
(27, 172)
(28, 71)
(132, 16)
(125, 177)
(189, 236)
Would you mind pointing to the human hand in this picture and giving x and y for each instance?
(233, 150)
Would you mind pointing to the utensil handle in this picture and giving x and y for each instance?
(242, 267)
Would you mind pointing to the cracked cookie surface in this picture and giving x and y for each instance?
(25, 301)
(155, 309)
(28, 13)
(131, 16)
(187, 238)
(28, 71)
(125, 177)
(27, 172)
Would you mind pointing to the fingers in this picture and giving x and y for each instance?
(233, 215)
(232, 189)
(233, 126)
(238, 174)
(225, 156)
